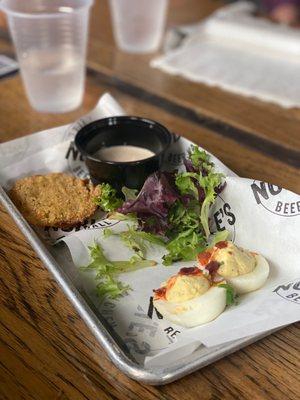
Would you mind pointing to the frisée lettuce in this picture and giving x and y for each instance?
(173, 206)
(107, 271)
(136, 240)
(108, 200)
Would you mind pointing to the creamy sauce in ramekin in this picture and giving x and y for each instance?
(123, 153)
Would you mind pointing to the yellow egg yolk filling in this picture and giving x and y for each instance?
(234, 261)
(181, 288)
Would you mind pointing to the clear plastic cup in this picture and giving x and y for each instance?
(138, 25)
(50, 38)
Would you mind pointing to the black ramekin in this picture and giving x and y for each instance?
(127, 130)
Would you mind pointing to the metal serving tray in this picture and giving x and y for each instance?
(62, 272)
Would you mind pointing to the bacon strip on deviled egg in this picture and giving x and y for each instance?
(190, 298)
(245, 271)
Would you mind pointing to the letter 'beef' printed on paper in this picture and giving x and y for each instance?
(289, 291)
(272, 198)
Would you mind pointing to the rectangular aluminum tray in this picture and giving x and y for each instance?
(99, 327)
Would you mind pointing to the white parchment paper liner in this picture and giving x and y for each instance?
(259, 216)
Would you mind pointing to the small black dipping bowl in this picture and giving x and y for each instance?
(116, 131)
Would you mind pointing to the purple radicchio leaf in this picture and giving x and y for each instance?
(153, 202)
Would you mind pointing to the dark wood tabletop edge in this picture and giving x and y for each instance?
(243, 137)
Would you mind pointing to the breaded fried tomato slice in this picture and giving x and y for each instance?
(54, 200)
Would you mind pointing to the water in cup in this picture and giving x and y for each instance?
(53, 78)
(50, 39)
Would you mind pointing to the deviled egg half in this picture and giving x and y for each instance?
(190, 298)
(243, 270)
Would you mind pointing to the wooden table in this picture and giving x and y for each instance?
(46, 351)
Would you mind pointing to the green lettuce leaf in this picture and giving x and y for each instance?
(198, 157)
(107, 272)
(185, 246)
(209, 183)
(185, 183)
(108, 200)
(189, 231)
(230, 294)
(129, 194)
(123, 217)
(136, 240)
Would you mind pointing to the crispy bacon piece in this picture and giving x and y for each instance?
(160, 293)
(221, 245)
(212, 267)
(189, 271)
(204, 257)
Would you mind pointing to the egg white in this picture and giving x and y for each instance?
(253, 280)
(194, 312)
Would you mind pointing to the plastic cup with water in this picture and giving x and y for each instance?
(138, 25)
(50, 38)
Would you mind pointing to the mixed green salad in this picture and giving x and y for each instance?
(171, 210)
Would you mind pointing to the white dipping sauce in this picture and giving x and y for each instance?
(123, 153)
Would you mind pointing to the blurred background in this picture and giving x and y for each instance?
(52, 50)
(283, 11)
(250, 48)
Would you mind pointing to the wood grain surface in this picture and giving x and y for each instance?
(46, 351)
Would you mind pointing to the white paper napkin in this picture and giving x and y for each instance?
(241, 53)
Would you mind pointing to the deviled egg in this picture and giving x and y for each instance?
(190, 298)
(245, 271)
